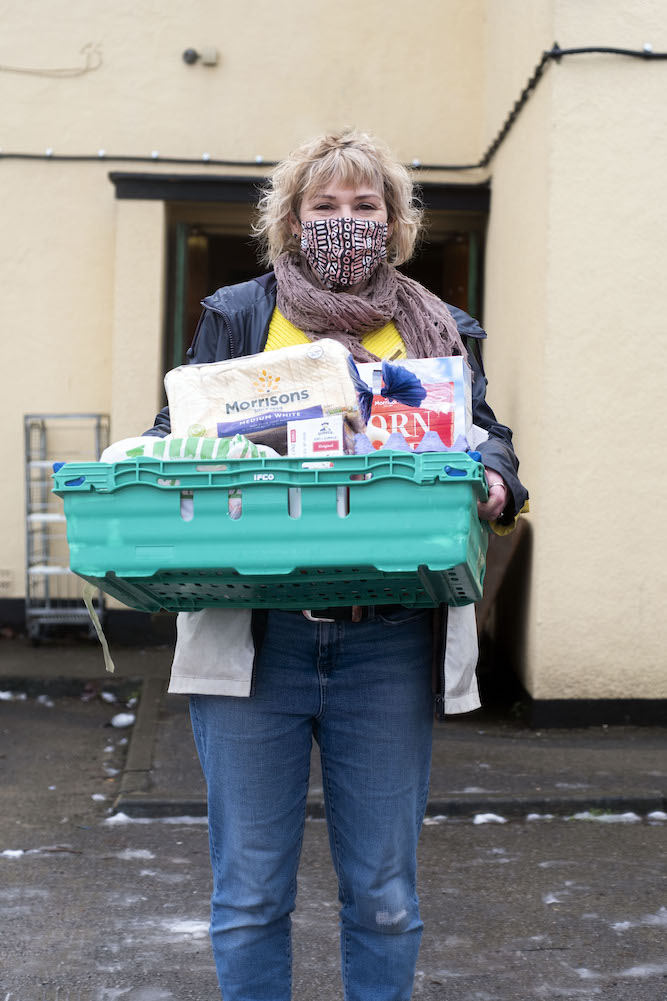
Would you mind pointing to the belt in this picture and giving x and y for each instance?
(343, 613)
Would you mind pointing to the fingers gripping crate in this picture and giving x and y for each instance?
(384, 528)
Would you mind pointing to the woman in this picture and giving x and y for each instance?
(335, 221)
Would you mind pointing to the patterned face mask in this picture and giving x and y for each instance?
(343, 252)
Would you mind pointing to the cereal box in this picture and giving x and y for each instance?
(446, 408)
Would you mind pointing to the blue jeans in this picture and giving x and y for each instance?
(363, 690)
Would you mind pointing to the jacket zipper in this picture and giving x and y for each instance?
(225, 320)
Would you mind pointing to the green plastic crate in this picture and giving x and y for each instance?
(412, 535)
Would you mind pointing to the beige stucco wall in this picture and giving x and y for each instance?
(82, 299)
(286, 71)
(574, 259)
(576, 303)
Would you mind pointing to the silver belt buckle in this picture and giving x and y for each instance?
(313, 618)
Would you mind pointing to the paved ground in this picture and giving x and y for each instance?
(525, 910)
(481, 762)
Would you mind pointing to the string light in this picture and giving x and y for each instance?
(555, 54)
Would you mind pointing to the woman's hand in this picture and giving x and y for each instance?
(498, 496)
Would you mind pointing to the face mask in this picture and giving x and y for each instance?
(343, 252)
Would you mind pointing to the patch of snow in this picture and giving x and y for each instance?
(151, 994)
(133, 853)
(122, 742)
(607, 818)
(587, 974)
(657, 815)
(51, 788)
(109, 749)
(12, 853)
(122, 818)
(108, 697)
(183, 820)
(187, 928)
(44, 700)
(99, 797)
(657, 920)
(648, 970)
(438, 819)
(111, 771)
(6, 696)
(131, 703)
(112, 993)
(121, 720)
(540, 816)
(488, 818)
(551, 898)
(23, 893)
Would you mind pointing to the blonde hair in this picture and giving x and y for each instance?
(347, 157)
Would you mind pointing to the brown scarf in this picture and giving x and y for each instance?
(424, 322)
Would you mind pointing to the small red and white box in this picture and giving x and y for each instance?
(317, 436)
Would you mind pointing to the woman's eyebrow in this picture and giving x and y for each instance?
(333, 198)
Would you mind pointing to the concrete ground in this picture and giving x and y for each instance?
(95, 906)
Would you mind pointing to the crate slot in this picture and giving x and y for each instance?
(342, 501)
(294, 502)
(187, 505)
(235, 504)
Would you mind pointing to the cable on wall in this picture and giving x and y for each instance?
(554, 54)
(92, 53)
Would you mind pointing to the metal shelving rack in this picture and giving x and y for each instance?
(53, 594)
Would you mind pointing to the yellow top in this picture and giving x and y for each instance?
(385, 342)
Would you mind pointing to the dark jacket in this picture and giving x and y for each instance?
(235, 322)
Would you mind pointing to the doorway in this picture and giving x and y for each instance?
(210, 246)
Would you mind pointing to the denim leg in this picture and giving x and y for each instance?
(255, 754)
(374, 731)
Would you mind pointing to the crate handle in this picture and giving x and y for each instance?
(453, 471)
(75, 483)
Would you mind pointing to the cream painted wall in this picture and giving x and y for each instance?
(575, 300)
(56, 247)
(287, 71)
(517, 260)
(136, 357)
(82, 299)
(574, 266)
(608, 217)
